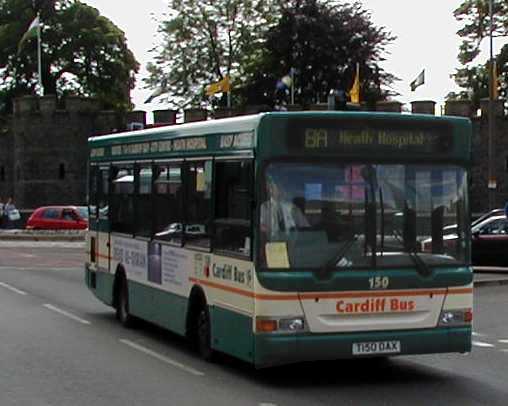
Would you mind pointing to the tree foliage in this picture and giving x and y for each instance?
(474, 78)
(322, 41)
(83, 52)
(204, 40)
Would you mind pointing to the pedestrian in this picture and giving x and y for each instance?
(11, 214)
(1, 212)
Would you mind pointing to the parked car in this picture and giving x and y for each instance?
(452, 229)
(489, 241)
(58, 218)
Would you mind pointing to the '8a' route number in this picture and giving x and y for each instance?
(379, 282)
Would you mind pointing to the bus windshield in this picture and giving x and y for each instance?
(362, 216)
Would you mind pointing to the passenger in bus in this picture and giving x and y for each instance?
(278, 215)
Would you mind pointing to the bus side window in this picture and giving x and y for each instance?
(168, 202)
(103, 188)
(198, 185)
(122, 199)
(143, 208)
(93, 184)
(233, 186)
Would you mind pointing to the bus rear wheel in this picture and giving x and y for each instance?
(122, 307)
(203, 330)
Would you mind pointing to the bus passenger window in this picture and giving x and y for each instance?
(198, 184)
(93, 180)
(103, 193)
(143, 200)
(168, 202)
(122, 199)
(233, 180)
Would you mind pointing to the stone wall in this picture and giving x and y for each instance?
(43, 146)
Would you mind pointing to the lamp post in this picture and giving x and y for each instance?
(492, 183)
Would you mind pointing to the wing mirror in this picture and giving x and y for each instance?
(476, 234)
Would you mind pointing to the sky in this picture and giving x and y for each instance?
(425, 31)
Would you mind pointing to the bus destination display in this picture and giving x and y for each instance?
(351, 140)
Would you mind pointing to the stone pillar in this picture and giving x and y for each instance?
(497, 107)
(194, 114)
(26, 104)
(256, 108)
(423, 107)
(106, 121)
(136, 116)
(389, 106)
(167, 117)
(224, 112)
(294, 107)
(47, 104)
(75, 104)
(319, 106)
(459, 108)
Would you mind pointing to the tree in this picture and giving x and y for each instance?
(322, 41)
(474, 79)
(83, 52)
(205, 40)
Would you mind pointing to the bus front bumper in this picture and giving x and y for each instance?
(277, 349)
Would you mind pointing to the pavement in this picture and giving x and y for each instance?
(483, 275)
(42, 235)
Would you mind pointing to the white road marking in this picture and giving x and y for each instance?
(267, 404)
(162, 357)
(503, 341)
(13, 289)
(478, 334)
(482, 344)
(66, 313)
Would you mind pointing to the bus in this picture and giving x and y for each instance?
(285, 237)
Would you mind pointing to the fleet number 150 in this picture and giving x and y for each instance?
(379, 282)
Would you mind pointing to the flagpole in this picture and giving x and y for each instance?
(39, 56)
(492, 181)
(292, 86)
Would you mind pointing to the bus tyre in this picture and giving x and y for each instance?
(122, 308)
(203, 331)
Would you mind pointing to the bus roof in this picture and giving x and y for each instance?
(232, 124)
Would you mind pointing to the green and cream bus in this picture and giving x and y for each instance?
(287, 237)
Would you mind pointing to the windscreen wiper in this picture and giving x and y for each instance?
(421, 266)
(332, 262)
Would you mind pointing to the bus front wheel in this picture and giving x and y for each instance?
(203, 330)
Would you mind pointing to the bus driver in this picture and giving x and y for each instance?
(278, 215)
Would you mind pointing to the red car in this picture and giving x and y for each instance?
(58, 218)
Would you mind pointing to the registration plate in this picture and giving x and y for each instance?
(376, 347)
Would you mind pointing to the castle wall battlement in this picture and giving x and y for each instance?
(43, 145)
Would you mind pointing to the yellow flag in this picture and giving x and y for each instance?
(355, 89)
(223, 86)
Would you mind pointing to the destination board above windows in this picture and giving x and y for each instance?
(176, 146)
(325, 136)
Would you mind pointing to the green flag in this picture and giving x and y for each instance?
(30, 33)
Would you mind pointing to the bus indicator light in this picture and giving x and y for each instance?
(266, 326)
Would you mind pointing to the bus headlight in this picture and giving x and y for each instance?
(280, 325)
(453, 318)
(297, 324)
